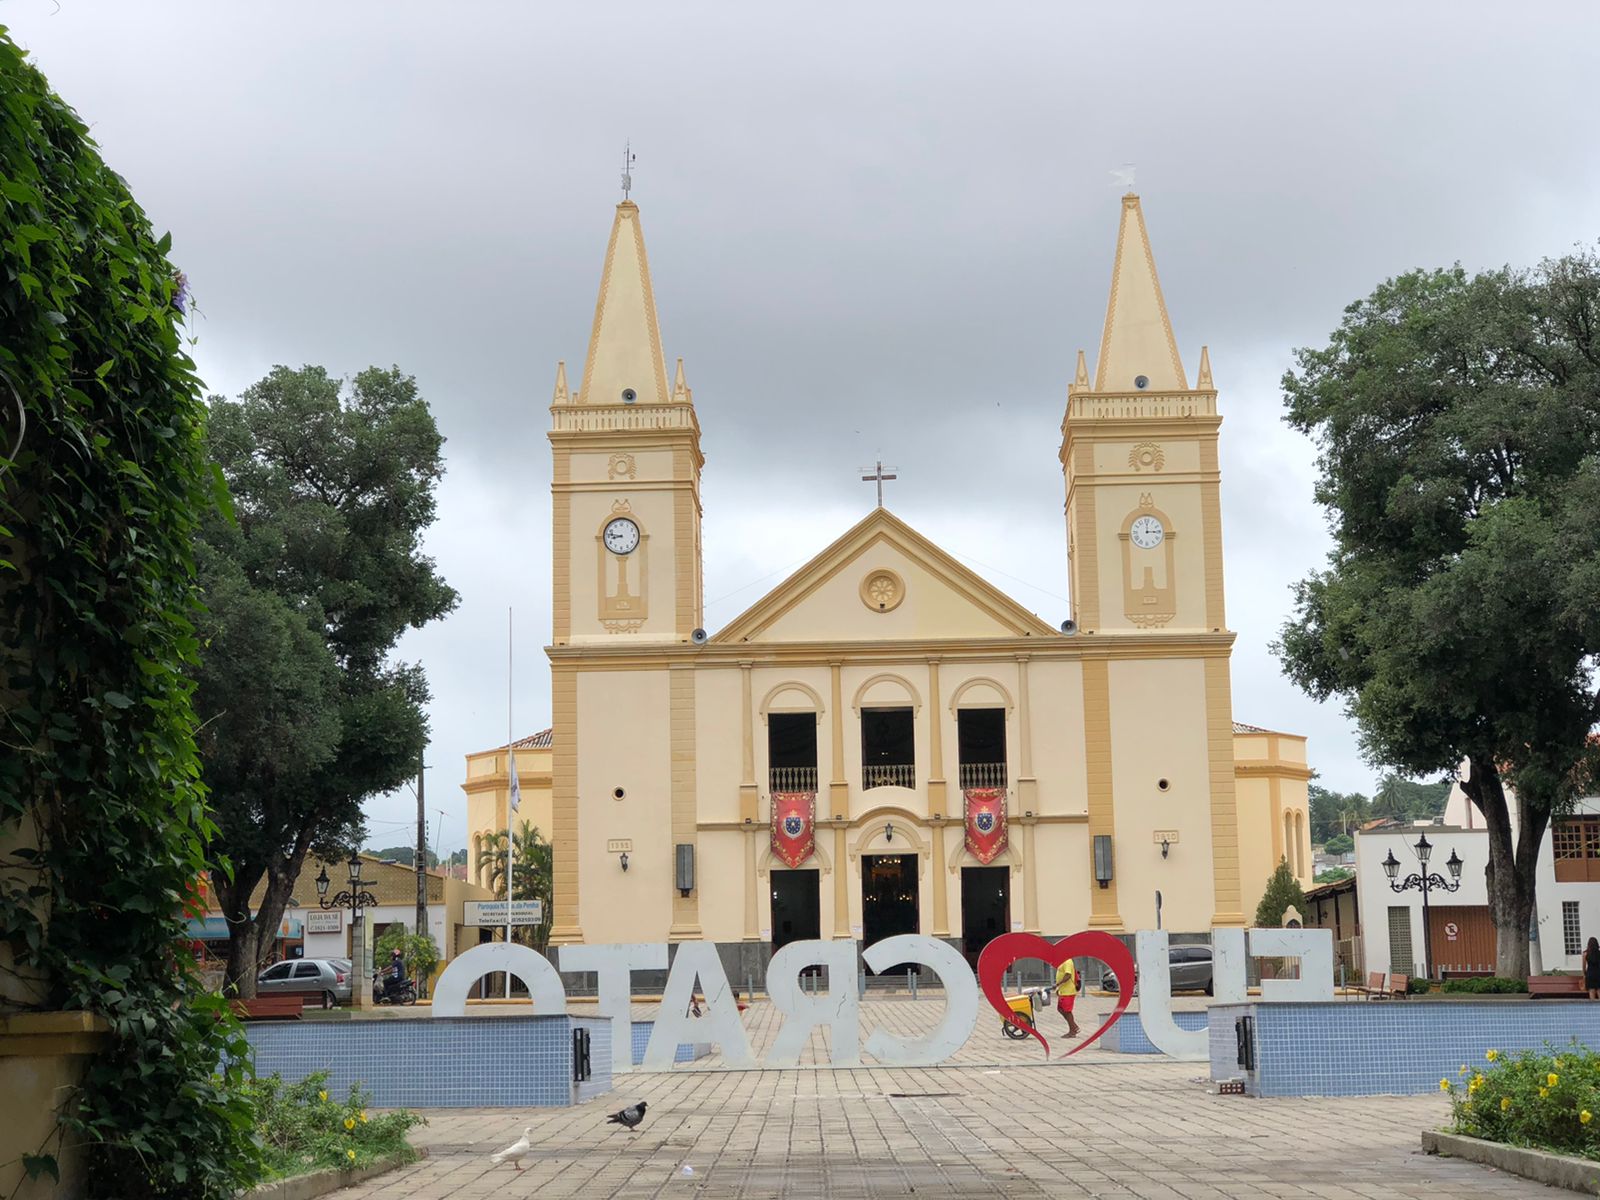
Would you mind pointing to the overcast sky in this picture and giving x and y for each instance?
(873, 228)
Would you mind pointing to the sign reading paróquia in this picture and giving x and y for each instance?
(493, 912)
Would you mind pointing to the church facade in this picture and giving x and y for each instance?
(886, 743)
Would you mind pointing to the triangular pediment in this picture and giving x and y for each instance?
(883, 581)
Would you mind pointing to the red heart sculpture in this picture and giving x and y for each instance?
(1009, 947)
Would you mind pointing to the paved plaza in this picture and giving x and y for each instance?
(1003, 1122)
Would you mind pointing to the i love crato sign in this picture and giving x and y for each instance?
(697, 969)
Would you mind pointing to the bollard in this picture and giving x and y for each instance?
(911, 979)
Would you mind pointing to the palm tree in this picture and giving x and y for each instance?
(531, 876)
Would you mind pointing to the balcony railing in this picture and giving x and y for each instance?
(792, 779)
(889, 775)
(982, 775)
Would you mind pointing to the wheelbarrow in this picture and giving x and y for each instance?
(1027, 1008)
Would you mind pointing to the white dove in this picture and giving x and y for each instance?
(514, 1152)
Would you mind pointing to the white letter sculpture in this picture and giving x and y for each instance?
(1155, 1002)
(960, 1001)
(720, 1024)
(838, 1008)
(614, 967)
(526, 963)
(1314, 949)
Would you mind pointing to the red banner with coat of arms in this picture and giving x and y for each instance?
(986, 822)
(794, 832)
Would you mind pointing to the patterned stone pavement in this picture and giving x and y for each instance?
(1094, 1125)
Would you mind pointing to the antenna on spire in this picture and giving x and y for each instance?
(627, 168)
(1123, 176)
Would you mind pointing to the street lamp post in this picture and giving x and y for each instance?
(355, 899)
(1424, 882)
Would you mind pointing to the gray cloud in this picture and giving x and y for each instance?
(872, 228)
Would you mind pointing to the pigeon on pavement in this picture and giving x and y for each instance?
(514, 1152)
(628, 1117)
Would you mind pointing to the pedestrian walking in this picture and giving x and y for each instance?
(1591, 968)
(1067, 993)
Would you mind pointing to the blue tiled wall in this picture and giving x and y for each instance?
(1391, 1047)
(686, 1052)
(599, 1081)
(439, 1062)
(1127, 1036)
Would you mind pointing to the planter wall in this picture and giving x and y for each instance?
(1556, 985)
(42, 1060)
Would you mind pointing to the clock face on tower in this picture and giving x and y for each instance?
(622, 535)
(1145, 534)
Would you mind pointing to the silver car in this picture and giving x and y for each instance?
(1190, 967)
(325, 981)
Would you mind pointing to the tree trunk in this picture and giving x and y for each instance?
(250, 937)
(1509, 873)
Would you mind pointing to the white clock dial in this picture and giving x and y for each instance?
(1147, 533)
(621, 536)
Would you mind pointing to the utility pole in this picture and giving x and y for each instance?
(422, 848)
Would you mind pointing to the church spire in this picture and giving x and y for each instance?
(625, 364)
(1137, 342)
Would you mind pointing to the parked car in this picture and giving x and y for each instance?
(325, 979)
(1190, 967)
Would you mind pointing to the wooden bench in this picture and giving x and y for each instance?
(284, 1007)
(1556, 985)
(1381, 987)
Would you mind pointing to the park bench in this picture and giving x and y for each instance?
(1374, 989)
(270, 1008)
(1381, 987)
(1556, 985)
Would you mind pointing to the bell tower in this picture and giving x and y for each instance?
(1139, 451)
(625, 481)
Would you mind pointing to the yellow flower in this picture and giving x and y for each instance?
(363, 1118)
(1558, 1064)
(1551, 1080)
(322, 1095)
(1505, 1103)
(1444, 1085)
(350, 1154)
(349, 1122)
(1585, 1116)
(1475, 1083)
(1463, 1070)
(1544, 1093)
(1491, 1055)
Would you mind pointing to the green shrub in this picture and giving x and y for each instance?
(1544, 1100)
(1419, 987)
(1484, 986)
(303, 1128)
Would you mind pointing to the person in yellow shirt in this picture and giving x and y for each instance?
(1067, 993)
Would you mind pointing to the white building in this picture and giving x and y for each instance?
(1391, 923)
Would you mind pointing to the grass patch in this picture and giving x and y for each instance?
(1544, 1101)
(304, 1128)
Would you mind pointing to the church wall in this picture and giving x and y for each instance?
(1064, 879)
(720, 881)
(719, 753)
(1121, 456)
(1158, 731)
(1258, 853)
(1055, 691)
(651, 508)
(622, 711)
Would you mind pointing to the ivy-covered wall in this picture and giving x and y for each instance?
(102, 815)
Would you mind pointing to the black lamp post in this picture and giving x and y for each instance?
(1424, 882)
(355, 899)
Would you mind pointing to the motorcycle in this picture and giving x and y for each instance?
(392, 991)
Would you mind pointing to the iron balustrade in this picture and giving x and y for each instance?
(889, 775)
(982, 775)
(792, 779)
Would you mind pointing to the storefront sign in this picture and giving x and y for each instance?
(697, 970)
(325, 922)
(493, 912)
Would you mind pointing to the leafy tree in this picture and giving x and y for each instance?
(532, 870)
(404, 854)
(1335, 875)
(418, 951)
(1335, 812)
(1340, 844)
(458, 858)
(1458, 426)
(103, 820)
(1406, 800)
(311, 585)
(1283, 891)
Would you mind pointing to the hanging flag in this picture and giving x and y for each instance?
(986, 822)
(516, 788)
(794, 834)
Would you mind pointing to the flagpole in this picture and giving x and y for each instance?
(511, 772)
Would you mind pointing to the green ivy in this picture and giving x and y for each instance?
(103, 820)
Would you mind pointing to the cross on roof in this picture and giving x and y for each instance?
(878, 477)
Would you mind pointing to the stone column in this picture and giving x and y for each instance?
(751, 884)
(941, 897)
(839, 808)
(1030, 876)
